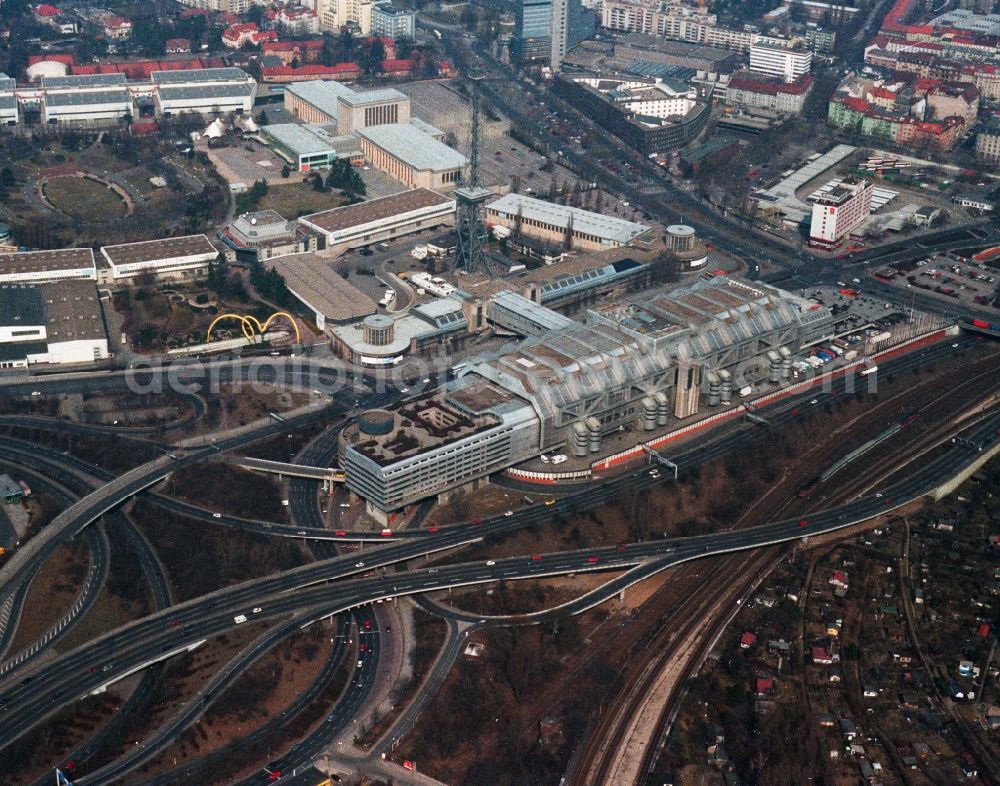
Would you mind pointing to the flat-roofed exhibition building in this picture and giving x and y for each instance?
(183, 257)
(637, 364)
(36, 266)
(381, 219)
(204, 90)
(54, 322)
(85, 98)
(328, 296)
(328, 101)
(550, 222)
(412, 156)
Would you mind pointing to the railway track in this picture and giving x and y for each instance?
(676, 642)
(598, 764)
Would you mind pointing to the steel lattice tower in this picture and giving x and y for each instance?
(471, 248)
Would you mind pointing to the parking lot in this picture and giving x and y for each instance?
(949, 276)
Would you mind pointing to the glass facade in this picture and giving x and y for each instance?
(533, 29)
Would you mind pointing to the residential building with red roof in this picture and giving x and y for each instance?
(303, 52)
(296, 20)
(750, 91)
(235, 36)
(918, 113)
(60, 57)
(342, 72)
(118, 28)
(51, 16)
(397, 68)
(46, 11)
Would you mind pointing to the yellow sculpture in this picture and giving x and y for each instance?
(251, 326)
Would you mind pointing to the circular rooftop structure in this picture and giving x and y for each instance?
(680, 237)
(376, 422)
(46, 68)
(378, 329)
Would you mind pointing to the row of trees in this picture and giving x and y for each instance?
(270, 285)
(342, 176)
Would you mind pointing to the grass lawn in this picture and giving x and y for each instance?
(83, 198)
(52, 593)
(292, 200)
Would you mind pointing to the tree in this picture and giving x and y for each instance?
(469, 17)
(328, 55)
(270, 284)
(345, 46)
(286, 171)
(373, 54)
(249, 200)
(255, 14)
(263, 120)
(404, 46)
(346, 178)
(217, 274)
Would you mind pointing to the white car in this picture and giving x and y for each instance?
(509, 513)
(257, 609)
(359, 564)
(491, 562)
(216, 515)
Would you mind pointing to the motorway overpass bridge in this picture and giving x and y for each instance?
(982, 327)
(172, 630)
(323, 474)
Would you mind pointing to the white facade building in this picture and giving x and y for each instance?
(840, 211)
(85, 98)
(679, 23)
(388, 20)
(172, 257)
(37, 266)
(8, 101)
(205, 91)
(219, 6)
(369, 222)
(59, 322)
(789, 64)
(334, 14)
(297, 21)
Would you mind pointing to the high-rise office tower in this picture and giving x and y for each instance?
(571, 24)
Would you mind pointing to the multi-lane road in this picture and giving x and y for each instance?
(150, 639)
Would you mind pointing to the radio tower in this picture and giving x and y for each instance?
(470, 250)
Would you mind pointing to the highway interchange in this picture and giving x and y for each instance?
(336, 584)
(174, 629)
